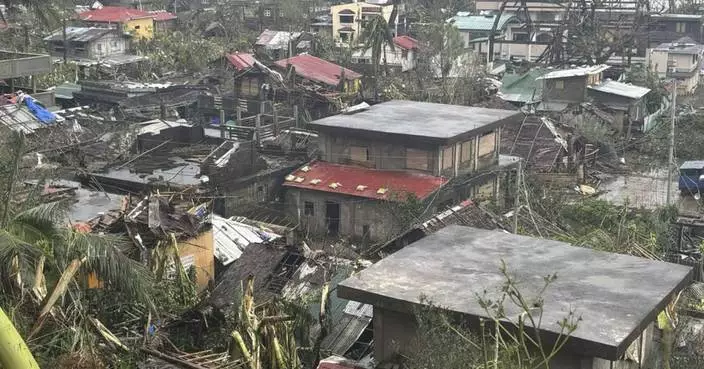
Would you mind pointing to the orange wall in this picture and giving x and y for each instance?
(201, 251)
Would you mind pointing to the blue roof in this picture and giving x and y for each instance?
(464, 21)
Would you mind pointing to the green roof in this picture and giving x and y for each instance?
(465, 22)
(522, 87)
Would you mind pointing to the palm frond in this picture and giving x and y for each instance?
(27, 256)
(112, 266)
(39, 222)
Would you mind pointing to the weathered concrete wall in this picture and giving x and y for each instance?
(382, 155)
(356, 214)
(395, 333)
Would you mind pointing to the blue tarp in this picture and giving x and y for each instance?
(39, 111)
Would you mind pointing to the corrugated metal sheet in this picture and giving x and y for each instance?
(318, 70)
(349, 328)
(276, 40)
(621, 89)
(362, 182)
(232, 237)
(241, 61)
(523, 88)
(576, 72)
(80, 34)
(118, 14)
(18, 118)
(406, 42)
(465, 22)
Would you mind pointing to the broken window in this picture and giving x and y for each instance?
(520, 37)
(365, 232)
(487, 144)
(363, 345)
(309, 209)
(447, 157)
(416, 159)
(284, 271)
(359, 153)
(261, 193)
(466, 152)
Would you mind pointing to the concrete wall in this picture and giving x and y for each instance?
(356, 25)
(355, 214)
(393, 155)
(394, 58)
(395, 333)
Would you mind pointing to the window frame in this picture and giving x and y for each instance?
(309, 208)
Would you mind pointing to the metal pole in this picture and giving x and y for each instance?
(671, 156)
(515, 199)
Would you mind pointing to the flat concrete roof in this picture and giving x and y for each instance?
(418, 119)
(617, 296)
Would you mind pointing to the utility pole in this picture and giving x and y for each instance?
(516, 196)
(671, 156)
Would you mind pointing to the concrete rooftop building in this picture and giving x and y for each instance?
(373, 159)
(617, 296)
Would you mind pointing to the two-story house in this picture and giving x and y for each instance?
(670, 27)
(402, 56)
(615, 18)
(475, 29)
(392, 153)
(82, 43)
(348, 19)
(140, 23)
(680, 60)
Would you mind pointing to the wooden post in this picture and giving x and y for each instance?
(295, 115)
(239, 113)
(222, 123)
(258, 124)
(276, 119)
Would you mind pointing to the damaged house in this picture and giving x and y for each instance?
(374, 161)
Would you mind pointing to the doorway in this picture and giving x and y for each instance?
(332, 217)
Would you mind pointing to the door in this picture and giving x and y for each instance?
(332, 217)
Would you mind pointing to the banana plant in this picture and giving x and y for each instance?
(263, 338)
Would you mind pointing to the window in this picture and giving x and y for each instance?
(344, 36)
(100, 47)
(365, 231)
(113, 44)
(681, 27)
(261, 193)
(346, 19)
(359, 153)
(520, 37)
(309, 209)
(560, 84)
(487, 144)
(447, 157)
(466, 153)
(267, 12)
(137, 27)
(416, 159)
(404, 53)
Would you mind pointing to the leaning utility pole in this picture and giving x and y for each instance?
(671, 156)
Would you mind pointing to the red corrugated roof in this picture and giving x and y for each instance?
(162, 15)
(241, 61)
(117, 14)
(406, 42)
(319, 70)
(349, 177)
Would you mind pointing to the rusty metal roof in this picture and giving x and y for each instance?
(358, 181)
(318, 70)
